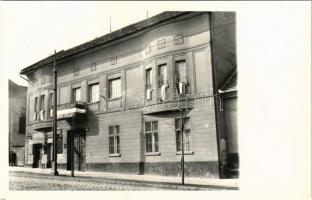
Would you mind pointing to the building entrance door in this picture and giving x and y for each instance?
(79, 153)
(49, 155)
(36, 155)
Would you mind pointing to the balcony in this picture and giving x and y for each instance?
(69, 110)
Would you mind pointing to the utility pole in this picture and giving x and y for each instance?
(72, 148)
(55, 116)
(182, 132)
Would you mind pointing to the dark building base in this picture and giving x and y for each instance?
(192, 169)
(128, 168)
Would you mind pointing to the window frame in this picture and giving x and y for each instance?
(42, 106)
(50, 104)
(110, 87)
(150, 72)
(116, 140)
(162, 81)
(90, 92)
(155, 150)
(74, 94)
(22, 125)
(185, 134)
(36, 108)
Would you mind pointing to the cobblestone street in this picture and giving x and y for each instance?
(44, 182)
(28, 181)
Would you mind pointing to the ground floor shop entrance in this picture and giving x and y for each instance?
(36, 155)
(76, 151)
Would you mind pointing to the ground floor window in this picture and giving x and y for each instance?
(114, 141)
(151, 137)
(186, 135)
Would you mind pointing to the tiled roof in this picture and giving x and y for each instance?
(118, 34)
(230, 84)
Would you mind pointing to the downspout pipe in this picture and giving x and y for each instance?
(215, 91)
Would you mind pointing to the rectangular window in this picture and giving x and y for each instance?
(50, 109)
(114, 141)
(41, 108)
(22, 125)
(149, 78)
(36, 104)
(186, 135)
(94, 94)
(162, 75)
(180, 68)
(76, 94)
(114, 88)
(181, 77)
(93, 66)
(151, 137)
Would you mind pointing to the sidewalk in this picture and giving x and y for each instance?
(208, 182)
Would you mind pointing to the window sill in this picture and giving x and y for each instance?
(153, 154)
(113, 99)
(115, 155)
(185, 153)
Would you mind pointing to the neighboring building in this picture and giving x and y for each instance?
(120, 97)
(17, 122)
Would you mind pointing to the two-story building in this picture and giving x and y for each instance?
(17, 123)
(122, 98)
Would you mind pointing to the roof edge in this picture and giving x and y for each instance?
(106, 39)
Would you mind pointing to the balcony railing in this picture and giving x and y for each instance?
(68, 110)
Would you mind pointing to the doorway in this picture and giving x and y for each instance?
(36, 155)
(49, 155)
(79, 147)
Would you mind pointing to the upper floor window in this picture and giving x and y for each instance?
(151, 137)
(114, 88)
(93, 66)
(36, 108)
(76, 94)
(186, 134)
(148, 82)
(22, 125)
(181, 76)
(94, 94)
(149, 78)
(114, 141)
(41, 108)
(162, 75)
(50, 105)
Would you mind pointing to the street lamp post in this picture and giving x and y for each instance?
(55, 117)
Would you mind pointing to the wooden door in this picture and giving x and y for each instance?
(80, 152)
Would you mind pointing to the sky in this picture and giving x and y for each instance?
(31, 31)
